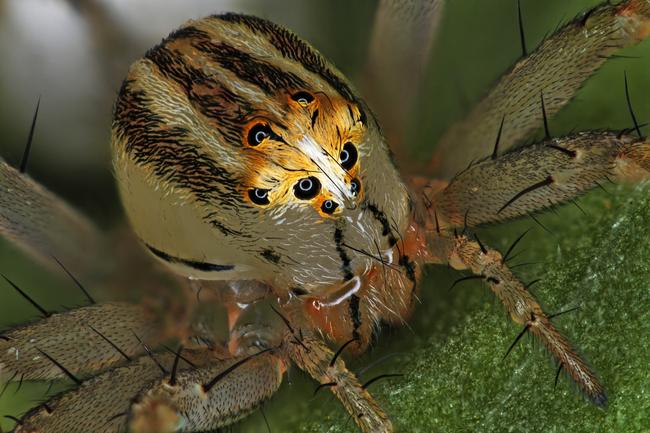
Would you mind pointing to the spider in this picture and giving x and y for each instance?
(260, 180)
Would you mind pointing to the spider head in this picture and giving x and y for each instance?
(254, 161)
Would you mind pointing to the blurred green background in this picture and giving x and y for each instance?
(456, 380)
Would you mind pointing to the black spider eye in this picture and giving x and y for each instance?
(355, 186)
(259, 196)
(348, 156)
(307, 188)
(329, 207)
(303, 98)
(258, 133)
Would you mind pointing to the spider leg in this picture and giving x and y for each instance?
(144, 393)
(403, 34)
(45, 226)
(99, 404)
(555, 70)
(463, 253)
(316, 359)
(539, 176)
(209, 397)
(80, 341)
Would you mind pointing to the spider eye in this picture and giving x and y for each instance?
(348, 156)
(302, 98)
(306, 188)
(329, 207)
(258, 133)
(355, 186)
(259, 196)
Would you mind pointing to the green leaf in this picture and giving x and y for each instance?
(600, 262)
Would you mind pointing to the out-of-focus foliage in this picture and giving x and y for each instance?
(452, 354)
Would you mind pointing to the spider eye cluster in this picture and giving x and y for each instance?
(329, 206)
(355, 186)
(259, 196)
(258, 133)
(303, 98)
(307, 188)
(261, 134)
(348, 156)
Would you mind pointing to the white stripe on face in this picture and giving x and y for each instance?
(333, 175)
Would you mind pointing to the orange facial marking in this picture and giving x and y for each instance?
(307, 142)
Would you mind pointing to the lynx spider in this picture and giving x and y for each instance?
(205, 131)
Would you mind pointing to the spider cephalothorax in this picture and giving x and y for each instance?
(256, 157)
(249, 166)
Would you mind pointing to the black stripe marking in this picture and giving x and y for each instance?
(270, 256)
(299, 291)
(409, 267)
(223, 229)
(169, 153)
(267, 77)
(211, 97)
(345, 259)
(386, 228)
(569, 152)
(201, 266)
(187, 33)
(351, 113)
(292, 47)
(355, 315)
(314, 117)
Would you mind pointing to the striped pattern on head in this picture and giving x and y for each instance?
(235, 124)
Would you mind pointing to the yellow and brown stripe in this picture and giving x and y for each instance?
(184, 112)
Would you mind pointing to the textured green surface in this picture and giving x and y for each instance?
(600, 262)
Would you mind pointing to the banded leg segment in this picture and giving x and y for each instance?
(83, 341)
(523, 309)
(316, 359)
(535, 177)
(557, 69)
